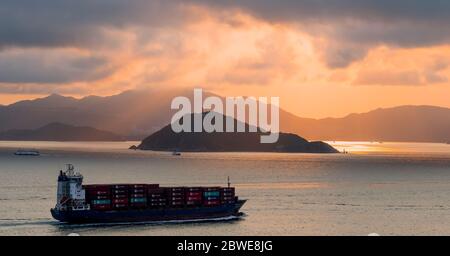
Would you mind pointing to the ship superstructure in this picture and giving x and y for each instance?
(70, 192)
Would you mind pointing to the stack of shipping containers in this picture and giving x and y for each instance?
(211, 196)
(227, 195)
(99, 197)
(156, 197)
(119, 194)
(193, 196)
(176, 196)
(140, 196)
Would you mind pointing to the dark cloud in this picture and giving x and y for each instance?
(53, 23)
(71, 22)
(50, 66)
(368, 10)
(339, 55)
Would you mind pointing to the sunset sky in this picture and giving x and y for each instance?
(322, 58)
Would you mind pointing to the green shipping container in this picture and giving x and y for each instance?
(211, 193)
(138, 200)
(101, 201)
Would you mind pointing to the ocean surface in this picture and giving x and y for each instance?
(384, 188)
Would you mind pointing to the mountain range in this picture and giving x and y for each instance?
(136, 114)
(401, 124)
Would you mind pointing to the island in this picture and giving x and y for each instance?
(60, 132)
(168, 140)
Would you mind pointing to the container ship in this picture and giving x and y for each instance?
(115, 203)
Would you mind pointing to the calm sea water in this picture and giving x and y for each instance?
(386, 188)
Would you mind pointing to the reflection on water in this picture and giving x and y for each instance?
(399, 188)
(390, 147)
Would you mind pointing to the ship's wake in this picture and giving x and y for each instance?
(26, 222)
(167, 222)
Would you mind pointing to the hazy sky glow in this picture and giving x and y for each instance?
(323, 58)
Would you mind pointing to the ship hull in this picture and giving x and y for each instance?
(149, 215)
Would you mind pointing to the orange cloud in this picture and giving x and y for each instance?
(407, 67)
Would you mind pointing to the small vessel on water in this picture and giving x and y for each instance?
(176, 152)
(27, 152)
(122, 203)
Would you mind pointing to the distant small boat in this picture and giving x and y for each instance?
(27, 152)
(176, 153)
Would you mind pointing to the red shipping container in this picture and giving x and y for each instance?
(98, 192)
(120, 201)
(194, 194)
(94, 188)
(103, 188)
(194, 198)
(97, 187)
